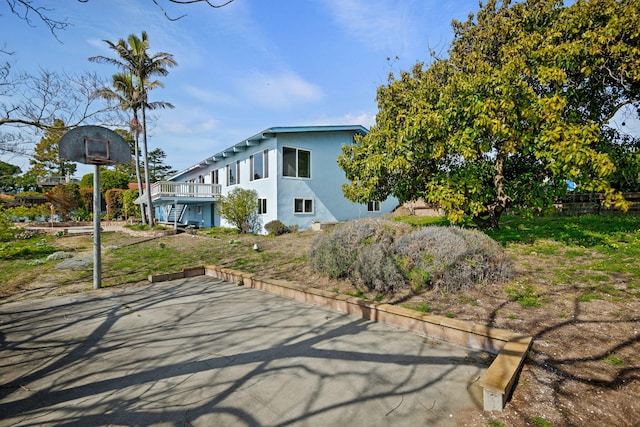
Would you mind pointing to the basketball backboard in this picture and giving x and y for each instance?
(94, 145)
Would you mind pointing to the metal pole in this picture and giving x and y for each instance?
(97, 262)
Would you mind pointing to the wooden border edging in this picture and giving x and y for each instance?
(497, 382)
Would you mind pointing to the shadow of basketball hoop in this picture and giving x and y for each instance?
(95, 145)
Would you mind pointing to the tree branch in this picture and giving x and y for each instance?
(182, 2)
(27, 11)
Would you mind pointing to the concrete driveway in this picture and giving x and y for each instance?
(203, 352)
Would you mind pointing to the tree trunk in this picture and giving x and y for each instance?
(135, 127)
(490, 219)
(145, 157)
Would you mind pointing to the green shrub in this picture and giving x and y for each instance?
(146, 227)
(276, 227)
(31, 213)
(26, 234)
(240, 209)
(28, 249)
(7, 230)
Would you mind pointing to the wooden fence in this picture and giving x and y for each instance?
(591, 203)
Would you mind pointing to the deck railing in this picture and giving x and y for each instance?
(184, 189)
(52, 181)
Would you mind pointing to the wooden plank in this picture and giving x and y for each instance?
(499, 379)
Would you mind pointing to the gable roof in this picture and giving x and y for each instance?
(269, 133)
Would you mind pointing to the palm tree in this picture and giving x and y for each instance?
(125, 93)
(134, 59)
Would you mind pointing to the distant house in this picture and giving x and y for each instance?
(294, 170)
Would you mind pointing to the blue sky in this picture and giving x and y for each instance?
(248, 66)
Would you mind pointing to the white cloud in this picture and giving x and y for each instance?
(209, 125)
(365, 119)
(381, 24)
(278, 91)
(184, 121)
(209, 96)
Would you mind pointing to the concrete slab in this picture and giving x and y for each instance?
(202, 352)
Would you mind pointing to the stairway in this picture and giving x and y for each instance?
(175, 214)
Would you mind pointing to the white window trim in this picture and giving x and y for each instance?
(304, 199)
(296, 168)
(265, 165)
(376, 206)
(262, 200)
(236, 170)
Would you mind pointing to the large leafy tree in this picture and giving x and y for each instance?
(8, 177)
(522, 103)
(46, 158)
(158, 169)
(134, 59)
(64, 199)
(109, 179)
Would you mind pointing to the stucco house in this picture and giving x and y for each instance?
(294, 170)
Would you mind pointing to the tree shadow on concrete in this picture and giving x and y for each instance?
(199, 351)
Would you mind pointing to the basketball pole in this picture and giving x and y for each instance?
(97, 261)
(94, 145)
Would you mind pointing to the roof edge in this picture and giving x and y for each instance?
(267, 134)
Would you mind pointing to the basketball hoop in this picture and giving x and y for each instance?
(95, 145)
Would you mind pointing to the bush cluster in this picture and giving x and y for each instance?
(451, 258)
(277, 228)
(384, 256)
(346, 250)
(25, 250)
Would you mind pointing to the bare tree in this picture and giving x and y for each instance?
(29, 104)
(37, 10)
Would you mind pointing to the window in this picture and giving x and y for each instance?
(303, 205)
(262, 206)
(233, 173)
(373, 206)
(215, 177)
(296, 163)
(200, 179)
(259, 163)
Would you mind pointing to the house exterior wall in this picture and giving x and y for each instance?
(324, 187)
(265, 187)
(322, 191)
